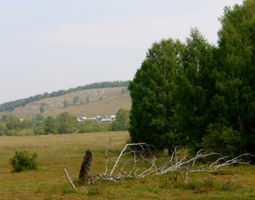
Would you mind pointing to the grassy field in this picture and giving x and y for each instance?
(58, 151)
(112, 101)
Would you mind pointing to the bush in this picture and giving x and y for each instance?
(23, 161)
(223, 139)
(25, 132)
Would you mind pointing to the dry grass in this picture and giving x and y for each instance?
(58, 151)
(54, 153)
(111, 103)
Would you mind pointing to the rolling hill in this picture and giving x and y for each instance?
(112, 100)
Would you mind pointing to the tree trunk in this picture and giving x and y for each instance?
(85, 166)
(170, 151)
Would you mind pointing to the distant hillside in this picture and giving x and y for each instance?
(112, 100)
(10, 106)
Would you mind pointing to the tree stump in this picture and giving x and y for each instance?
(85, 166)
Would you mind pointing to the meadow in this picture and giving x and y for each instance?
(112, 101)
(58, 151)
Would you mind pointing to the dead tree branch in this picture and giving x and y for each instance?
(139, 162)
(68, 178)
(186, 164)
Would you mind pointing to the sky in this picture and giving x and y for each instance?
(49, 45)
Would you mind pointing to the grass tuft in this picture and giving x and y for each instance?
(95, 190)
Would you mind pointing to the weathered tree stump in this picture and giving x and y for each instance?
(85, 166)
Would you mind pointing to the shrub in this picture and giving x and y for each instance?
(23, 161)
(11, 133)
(223, 139)
(25, 132)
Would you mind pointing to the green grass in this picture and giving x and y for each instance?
(58, 151)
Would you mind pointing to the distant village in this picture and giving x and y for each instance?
(105, 119)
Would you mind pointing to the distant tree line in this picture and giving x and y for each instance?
(10, 106)
(11, 125)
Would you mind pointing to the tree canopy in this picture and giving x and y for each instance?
(191, 93)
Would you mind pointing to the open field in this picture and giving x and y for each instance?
(58, 151)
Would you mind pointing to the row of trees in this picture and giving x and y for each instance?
(11, 125)
(197, 94)
(10, 106)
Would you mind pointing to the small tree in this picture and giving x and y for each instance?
(65, 103)
(124, 90)
(75, 99)
(3, 129)
(42, 109)
(23, 161)
(87, 100)
(49, 125)
(66, 123)
(122, 120)
(14, 124)
(38, 117)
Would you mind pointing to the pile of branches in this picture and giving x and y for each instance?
(136, 160)
(155, 166)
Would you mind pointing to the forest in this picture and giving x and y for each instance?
(198, 94)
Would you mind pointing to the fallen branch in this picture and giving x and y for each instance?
(68, 178)
(185, 164)
(141, 153)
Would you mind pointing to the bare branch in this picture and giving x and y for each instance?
(68, 178)
(141, 153)
(127, 145)
(106, 155)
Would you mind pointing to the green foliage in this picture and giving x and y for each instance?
(182, 89)
(27, 123)
(49, 125)
(11, 133)
(39, 117)
(3, 129)
(42, 109)
(40, 132)
(65, 103)
(75, 99)
(223, 139)
(25, 132)
(14, 124)
(235, 96)
(101, 97)
(152, 102)
(66, 123)
(122, 120)
(89, 126)
(22, 161)
(7, 117)
(95, 190)
(37, 125)
(38, 121)
(124, 90)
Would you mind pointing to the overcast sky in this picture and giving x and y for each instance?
(48, 45)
